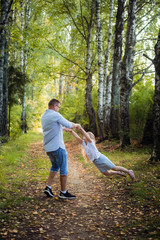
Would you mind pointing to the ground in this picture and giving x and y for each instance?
(101, 210)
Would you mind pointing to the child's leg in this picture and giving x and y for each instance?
(129, 172)
(110, 173)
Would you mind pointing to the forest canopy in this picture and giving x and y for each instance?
(97, 57)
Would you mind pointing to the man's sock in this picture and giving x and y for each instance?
(64, 191)
(49, 187)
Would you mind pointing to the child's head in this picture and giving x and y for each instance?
(91, 135)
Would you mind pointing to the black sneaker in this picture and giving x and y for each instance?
(66, 195)
(48, 192)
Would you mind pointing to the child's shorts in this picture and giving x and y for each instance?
(103, 163)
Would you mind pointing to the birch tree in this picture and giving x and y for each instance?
(107, 84)
(127, 74)
(114, 117)
(100, 72)
(25, 15)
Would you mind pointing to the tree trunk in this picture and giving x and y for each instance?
(114, 121)
(107, 83)
(3, 67)
(88, 90)
(155, 157)
(61, 81)
(24, 51)
(100, 72)
(127, 74)
(5, 87)
(108, 101)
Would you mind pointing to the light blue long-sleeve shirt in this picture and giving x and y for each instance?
(52, 123)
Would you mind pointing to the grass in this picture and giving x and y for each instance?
(14, 174)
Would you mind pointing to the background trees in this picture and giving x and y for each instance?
(82, 52)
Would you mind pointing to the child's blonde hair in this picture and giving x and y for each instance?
(91, 135)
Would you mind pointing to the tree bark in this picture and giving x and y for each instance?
(88, 90)
(4, 67)
(127, 74)
(100, 72)
(107, 84)
(114, 121)
(108, 101)
(25, 15)
(155, 157)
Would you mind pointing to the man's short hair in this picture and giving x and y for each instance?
(52, 102)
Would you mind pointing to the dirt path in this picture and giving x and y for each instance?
(100, 211)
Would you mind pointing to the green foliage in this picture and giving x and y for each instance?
(15, 121)
(73, 107)
(17, 81)
(141, 103)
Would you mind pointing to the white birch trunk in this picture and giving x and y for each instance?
(24, 51)
(100, 72)
(61, 82)
(106, 83)
(22, 60)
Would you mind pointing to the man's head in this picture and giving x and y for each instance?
(54, 104)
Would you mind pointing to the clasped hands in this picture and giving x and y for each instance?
(75, 126)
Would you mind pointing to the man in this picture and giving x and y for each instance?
(52, 123)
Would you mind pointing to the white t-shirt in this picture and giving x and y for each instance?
(91, 150)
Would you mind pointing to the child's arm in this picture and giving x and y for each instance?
(86, 135)
(76, 136)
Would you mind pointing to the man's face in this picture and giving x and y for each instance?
(57, 107)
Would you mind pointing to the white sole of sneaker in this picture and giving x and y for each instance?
(48, 193)
(63, 197)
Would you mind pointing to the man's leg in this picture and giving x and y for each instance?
(63, 175)
(63, 181)
(50, 178)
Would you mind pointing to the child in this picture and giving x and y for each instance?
(100, 160)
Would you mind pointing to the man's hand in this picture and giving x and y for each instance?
(78, 126)
(67, 129)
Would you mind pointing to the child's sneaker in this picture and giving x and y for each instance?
(131, 174)
(48, 192)
(66, 195)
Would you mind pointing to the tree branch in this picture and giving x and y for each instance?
(75, 76)
(52, 47)
(148, 23)
(145, 71)
(73, 19)
(152, 60)
(82, 20)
